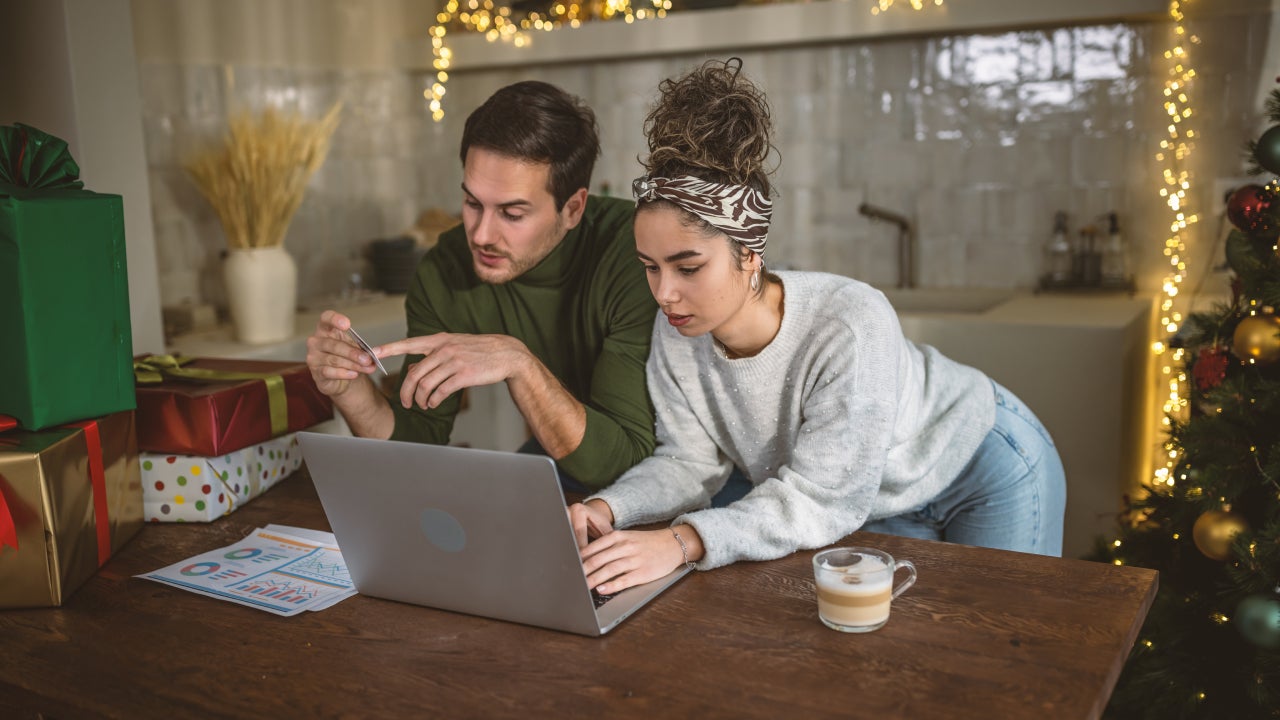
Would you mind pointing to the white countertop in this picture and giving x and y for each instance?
(1020, 307)
(1060, 310)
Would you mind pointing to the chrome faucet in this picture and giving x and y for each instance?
(906, 241)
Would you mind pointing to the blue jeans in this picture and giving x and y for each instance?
(734, 488)
(1012, 495)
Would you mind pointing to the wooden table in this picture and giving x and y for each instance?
(983, 634)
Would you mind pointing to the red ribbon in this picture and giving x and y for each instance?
(97, 475)
(8, 529)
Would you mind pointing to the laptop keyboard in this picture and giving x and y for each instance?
(600, 599)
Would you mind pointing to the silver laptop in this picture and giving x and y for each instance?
(472, 531)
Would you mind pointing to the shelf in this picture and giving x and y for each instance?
(773, 25)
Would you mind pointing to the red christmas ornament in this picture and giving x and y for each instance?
(1249, 209)
(1211, 368)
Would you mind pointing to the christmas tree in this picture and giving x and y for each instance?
(1210, 647)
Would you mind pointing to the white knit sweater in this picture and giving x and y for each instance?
(840, 419)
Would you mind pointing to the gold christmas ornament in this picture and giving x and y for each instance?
(1257, 338)
(1215, 530)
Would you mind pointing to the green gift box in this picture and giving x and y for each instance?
(64, 293)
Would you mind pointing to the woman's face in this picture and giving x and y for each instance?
(692, 276)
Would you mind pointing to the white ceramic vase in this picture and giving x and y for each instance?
(262, 292)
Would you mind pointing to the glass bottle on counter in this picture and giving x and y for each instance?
(1058, 253)
(1115, 256)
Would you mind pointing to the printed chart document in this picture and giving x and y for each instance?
(280, 569)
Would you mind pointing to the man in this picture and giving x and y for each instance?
(538, 288)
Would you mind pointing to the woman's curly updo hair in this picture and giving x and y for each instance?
(712, 124)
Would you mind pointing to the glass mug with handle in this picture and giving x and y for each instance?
(855, 587)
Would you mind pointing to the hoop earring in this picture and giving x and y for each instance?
(755, 280)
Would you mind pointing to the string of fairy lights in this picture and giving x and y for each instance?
(501, 23)
(1174, 154)
(882, 5)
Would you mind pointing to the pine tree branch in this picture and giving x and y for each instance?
(1252, 166)
(1273, 106)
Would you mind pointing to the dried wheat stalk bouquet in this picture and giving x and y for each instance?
(256, 178)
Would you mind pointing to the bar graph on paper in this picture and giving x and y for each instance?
(271, 569)
(285, 591)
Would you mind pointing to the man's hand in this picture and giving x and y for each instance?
(452, 362)
(590, 520)
(333, 359)
(336, 365)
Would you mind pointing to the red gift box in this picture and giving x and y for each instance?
(210, 416)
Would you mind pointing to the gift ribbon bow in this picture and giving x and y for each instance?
(33, 159)
(155, 368)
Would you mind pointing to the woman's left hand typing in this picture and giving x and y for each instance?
(625, 558)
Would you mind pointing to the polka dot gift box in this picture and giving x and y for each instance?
(189, 488)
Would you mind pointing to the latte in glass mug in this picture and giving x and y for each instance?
(855, 587)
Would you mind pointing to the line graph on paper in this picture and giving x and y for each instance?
(321, 565)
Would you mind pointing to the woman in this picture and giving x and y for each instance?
(803, 380)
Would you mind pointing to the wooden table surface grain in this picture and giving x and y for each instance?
(983, 634)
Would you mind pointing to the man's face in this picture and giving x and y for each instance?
(510, 215)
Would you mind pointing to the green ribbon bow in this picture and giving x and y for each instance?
(155, 368)
(35, 160)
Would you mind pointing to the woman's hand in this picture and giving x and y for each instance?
(590, 520)
(622, 559)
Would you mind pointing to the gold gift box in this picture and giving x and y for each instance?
(49, 491)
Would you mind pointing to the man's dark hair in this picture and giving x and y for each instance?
(538, 122)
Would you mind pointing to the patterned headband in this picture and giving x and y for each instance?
(739, 211)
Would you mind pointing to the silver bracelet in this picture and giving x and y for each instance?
(684, 549)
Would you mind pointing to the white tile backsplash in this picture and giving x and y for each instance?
(978, 138)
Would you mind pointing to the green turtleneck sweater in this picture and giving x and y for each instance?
(585, 311)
